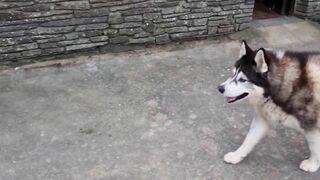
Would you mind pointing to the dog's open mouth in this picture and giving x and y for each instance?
(234, 99)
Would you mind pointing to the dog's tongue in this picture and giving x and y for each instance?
(230, 99)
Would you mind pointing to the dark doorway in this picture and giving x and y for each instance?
(265, 9)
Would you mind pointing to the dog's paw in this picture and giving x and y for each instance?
(310, 165)
(233, 158)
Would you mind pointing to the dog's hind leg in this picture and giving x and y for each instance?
(258, 130)
(313, 163)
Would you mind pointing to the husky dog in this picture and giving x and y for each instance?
(284, 88)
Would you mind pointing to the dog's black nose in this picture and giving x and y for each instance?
(221, 89)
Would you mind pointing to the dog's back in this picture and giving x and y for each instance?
(294, 78)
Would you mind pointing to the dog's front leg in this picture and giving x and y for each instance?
(313, 163)
(258, 130)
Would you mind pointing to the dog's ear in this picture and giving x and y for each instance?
(260, 60)
(244, 49)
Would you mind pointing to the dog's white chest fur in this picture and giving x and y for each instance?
(276, 116)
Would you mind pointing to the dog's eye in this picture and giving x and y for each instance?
(242, 80)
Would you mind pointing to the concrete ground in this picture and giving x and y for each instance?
(149, 114)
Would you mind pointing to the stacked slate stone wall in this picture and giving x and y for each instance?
(309, 9)
(30, 29)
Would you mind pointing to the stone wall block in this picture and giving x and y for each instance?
(39, 28)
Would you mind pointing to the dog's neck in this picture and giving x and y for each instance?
(258, 100)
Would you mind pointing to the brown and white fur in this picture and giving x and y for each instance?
(284, 89)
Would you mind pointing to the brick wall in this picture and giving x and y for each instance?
(309, 9)
(35, 28)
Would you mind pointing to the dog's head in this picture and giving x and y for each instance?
(249, 77)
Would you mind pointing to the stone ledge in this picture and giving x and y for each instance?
(58, 26)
